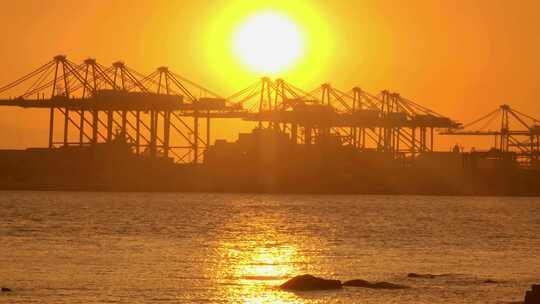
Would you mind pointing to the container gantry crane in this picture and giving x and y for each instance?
(99, 100)
(512, 131)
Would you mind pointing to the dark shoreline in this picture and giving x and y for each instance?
(104, 168)
(82, 189)
(199, 179)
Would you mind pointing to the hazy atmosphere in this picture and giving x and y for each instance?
(459, 58)
(278, 151)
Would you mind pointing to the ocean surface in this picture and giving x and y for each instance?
(63, 247)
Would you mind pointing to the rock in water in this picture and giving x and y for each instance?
(421, 276)
(376, 285)
(533, 296)
(309, 282)
(5, 289)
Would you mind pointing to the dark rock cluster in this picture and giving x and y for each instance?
(533, 296)
(309, 282)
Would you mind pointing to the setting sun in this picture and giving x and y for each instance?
(268, 43)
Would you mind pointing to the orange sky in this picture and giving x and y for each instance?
(461, 58)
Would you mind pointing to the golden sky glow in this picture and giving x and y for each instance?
(461, 58)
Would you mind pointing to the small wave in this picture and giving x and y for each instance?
(414, 275)
(455, 278)
(263, 278)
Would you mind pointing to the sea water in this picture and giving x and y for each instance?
(66, 247)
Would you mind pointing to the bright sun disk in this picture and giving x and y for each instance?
(268, 43)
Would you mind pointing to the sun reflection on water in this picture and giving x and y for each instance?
(255, 269)
(261, 271)
(255, 254)
(267, 264)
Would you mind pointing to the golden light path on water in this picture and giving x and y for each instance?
(267, 263)
(261, 271)
(257, 268)
(252, 265)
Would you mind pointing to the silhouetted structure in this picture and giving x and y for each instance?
(516, 135)
(268, 160)
(96, 101)
(152, 109)
(122, 128)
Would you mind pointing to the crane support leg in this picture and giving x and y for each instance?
(413, 142)
(196, 137)
(153, 133)
(208, 130)
(95, 121)
(431, 140)
(66, 124)
(124, 123)
(307, 139)
(294, 133)
(109, 125)
(51, 127)
(166, 133)
(81, 128)
(138, 132)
